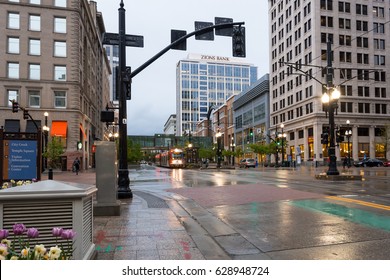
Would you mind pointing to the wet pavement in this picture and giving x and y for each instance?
(246, 214)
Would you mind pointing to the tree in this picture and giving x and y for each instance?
(261, 149)
(134, 153)
(53, 152)
(206, 153)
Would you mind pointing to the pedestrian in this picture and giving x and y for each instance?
(76, 165)
(345, 162)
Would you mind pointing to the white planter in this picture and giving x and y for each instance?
(49, 204)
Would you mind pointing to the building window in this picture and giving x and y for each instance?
(346, 107)
(60, 3)
(34, 72)
(13, 21)
(363, 131)
(379, 44)
(346, 90)
(13, 45)
(379, 60)
(300, 134)
(34, 98)
(36, 2)
(34, 47)
(35, 23)
(361, 9)
(59, 49)
(60, 99)
(13, 70)
(59, 73)
(380, 92)
(59, 25)
(13, 94)
(381, 109)
(364, 108)
(379, 28)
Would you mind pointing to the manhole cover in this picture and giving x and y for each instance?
(151, 200)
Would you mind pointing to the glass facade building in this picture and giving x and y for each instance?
(203, 81)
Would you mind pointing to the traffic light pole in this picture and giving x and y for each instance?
(124, 190)
(180, 40)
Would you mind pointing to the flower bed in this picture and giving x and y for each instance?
(21, 247)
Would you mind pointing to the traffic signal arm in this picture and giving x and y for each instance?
(180, 40)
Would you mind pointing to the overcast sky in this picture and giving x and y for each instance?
(154, 89)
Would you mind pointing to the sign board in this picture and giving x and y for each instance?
(176, 35)
(20, 159)
(131, 40)
(227, 31)
(207, 36)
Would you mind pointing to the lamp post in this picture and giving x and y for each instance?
(348, 134)
(282, 136)
(218, 135)
(330, 99)
(46, 135)
(232, 146)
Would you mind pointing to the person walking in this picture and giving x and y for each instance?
(345, 162)
(76, 165)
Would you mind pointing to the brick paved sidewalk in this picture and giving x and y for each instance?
(141, 232)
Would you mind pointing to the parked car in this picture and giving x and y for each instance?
(248, 162)
(386, 163)
(369, 162)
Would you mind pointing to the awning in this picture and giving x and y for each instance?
(58, 128)
(31, 128)
(12, 126)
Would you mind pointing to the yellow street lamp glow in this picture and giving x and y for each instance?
(335, 94)
(325, 98)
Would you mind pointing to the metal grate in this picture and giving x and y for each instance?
(151, 200)
(87, 224)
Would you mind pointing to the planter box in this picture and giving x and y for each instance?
(49, 204)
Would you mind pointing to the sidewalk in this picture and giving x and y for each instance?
(147, 228)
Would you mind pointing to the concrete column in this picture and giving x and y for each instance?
(355, 142)
(306, 143)
(372, 141)
(106, 170)
(317, 130)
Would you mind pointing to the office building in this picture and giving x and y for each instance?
(54, 62)
(204, 81)
(359, 34)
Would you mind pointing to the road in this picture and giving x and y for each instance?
(269, 213)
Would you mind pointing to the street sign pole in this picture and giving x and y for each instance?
(124, 190)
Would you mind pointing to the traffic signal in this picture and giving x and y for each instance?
(277, 141)
(238, 41)
(325, 138)
(25, 114)
(15, 106)
(79, 145)
(251, 132)
(339, 137)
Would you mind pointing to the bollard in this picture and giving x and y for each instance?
(50, 174)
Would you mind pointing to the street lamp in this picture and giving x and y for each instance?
(330, 102)
(232, 146)
(282, 136)
(348, 134)
(46, 135)
(218, 135)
